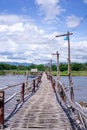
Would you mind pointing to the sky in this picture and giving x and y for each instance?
(28, 30)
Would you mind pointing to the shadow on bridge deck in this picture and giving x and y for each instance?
(42, 111)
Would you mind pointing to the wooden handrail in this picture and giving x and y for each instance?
(81, 115)
(10, 86)
(66, 100)
(11, 97)
(33, 84)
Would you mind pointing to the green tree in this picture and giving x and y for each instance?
(41, 67)
(13, 67)
(31, 66)
(63, 67)
(54, 67)
(77, 66)
(21, 67)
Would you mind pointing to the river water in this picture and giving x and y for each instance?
(79, 84)
(8, 80)
(11, 79)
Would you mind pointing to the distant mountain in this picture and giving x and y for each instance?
(16, 63)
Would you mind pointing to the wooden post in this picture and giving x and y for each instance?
(53, 84)
(33, 85)
(22, 92)
(69, 70)
(39, 79)
(1, 109)
(69, 67)
(26, 78)
(58, 72)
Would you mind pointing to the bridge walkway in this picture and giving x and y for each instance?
(41, 112)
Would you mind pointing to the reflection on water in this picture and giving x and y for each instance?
(79, 85)
(11, 80)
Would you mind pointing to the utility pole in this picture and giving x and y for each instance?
(69, 64)
(58, 72)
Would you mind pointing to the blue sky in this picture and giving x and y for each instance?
(28, 29)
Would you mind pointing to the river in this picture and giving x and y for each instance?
(79, 84)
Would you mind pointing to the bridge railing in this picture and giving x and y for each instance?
(8, 99)
(76, 112)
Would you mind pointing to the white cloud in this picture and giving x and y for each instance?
(85, 1)
(12, 19)
(23, 41)
(12, 28)
(8, 46)
(78, 51)
(50, 9)
(9, 19)
(73, 21)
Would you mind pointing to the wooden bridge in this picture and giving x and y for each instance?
(45, 110)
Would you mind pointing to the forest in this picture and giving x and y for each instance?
(42, 67)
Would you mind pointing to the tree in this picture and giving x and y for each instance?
(13, 67)
(63, 67)
(54, 67)
(21, 67)
(32, 66)
(41, 67)
(77, 66)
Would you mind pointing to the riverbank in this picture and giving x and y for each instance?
(54, 73)
(18, 72)
(74, 73)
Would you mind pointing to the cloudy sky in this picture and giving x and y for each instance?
(28, 29)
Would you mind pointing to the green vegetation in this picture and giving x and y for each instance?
(74, 73)
(20, 69)
(62, 73)
(2, 72)
(79, 73)
(78, 69)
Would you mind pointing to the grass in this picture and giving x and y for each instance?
(2, 72)
(17, 72)
(79, 73)
(14, 72)
(74, 73)
(54, 73)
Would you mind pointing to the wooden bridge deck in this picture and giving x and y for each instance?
(41, 112)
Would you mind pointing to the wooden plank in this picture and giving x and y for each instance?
(42, 111)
